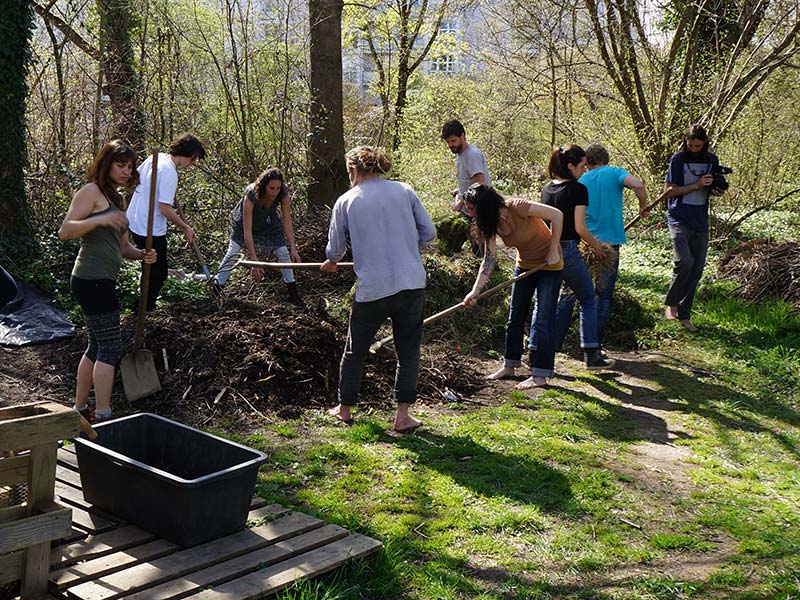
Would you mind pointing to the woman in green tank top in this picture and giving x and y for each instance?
(96, 215)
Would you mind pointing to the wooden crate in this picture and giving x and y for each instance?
(29, 436)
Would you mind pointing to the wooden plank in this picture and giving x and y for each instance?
(68, 477)
(41, 479)
(34, 530)
(74, 536)
(99, 545)
(256, 502)
(109, 563)
(14, 513)
(127, 537)
(14, 469)
(310, 564)
(90, 523)
(51, 423)
(67, 459)
(187, 561)
(242, 565)
(11, 566)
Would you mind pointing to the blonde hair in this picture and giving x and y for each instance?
(366, 159)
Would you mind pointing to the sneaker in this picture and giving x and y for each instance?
(595, 360)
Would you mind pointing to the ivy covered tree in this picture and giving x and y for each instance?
(15, 32)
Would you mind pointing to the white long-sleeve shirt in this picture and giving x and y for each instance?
(388, 226)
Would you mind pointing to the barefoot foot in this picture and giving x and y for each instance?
(532, 382)
(406, 424)
(671, 313)
(342, 413)
(502, 373)
(688, 325)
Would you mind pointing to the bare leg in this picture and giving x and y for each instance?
(402, 420)
(341, 412)
(532, 382)
(502, 373)
(103, 382)
(85, 380)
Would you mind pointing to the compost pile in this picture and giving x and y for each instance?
(239, 358)
(765, 270)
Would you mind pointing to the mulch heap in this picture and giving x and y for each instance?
(234, 361)
(765, 269)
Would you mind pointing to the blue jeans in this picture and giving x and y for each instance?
(605, 284)
(603, 292)
(544, 286)
(689, 259)
(577, 284)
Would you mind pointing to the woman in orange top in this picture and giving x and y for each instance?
(520, 224)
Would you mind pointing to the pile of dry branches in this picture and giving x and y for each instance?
(765, 270)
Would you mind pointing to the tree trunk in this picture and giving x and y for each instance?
(15, 31)
(119, 75)
(326, 146)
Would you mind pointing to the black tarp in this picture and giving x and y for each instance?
(28, 315)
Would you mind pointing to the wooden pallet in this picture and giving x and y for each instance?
(105, 559)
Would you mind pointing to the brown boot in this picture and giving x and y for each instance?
(294, 295)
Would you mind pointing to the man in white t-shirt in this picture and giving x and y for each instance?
(184, 151)
(471, 167)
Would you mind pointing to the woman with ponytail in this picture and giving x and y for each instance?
(567, 194)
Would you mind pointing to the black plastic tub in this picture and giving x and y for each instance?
(185, 485)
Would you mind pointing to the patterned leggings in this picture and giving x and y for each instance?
(105, 340)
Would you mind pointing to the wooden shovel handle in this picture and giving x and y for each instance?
(447, 311)
(145, 282)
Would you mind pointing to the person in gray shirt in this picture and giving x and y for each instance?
(471, 167)
(387, 226)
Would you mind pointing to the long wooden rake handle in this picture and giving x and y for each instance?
(442, 314)
(653, 204)
(279, 265)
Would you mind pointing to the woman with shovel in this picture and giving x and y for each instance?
(520, 224)
(96, 215)
(258, 227)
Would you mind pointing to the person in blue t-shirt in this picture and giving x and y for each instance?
(604, 219)
(688, 186)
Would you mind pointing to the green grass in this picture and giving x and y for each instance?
(548, 495)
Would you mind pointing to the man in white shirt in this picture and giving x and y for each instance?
(471, 167)
(184, 151)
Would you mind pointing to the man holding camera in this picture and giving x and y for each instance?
(690, 180)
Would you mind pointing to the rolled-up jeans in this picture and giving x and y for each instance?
(235, 250)
(689, 259)
(544, 286)
(578, 284)
(405, 309)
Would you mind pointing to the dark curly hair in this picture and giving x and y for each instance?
(487, 203)
(261, 183)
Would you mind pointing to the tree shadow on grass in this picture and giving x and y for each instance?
(692, 393)
(518, 478)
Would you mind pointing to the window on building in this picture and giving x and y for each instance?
(443, 64)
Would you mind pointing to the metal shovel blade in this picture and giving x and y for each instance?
(139, 377)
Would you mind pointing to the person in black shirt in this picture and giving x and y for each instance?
(566, 193)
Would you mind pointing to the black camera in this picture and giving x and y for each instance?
(720, 183)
